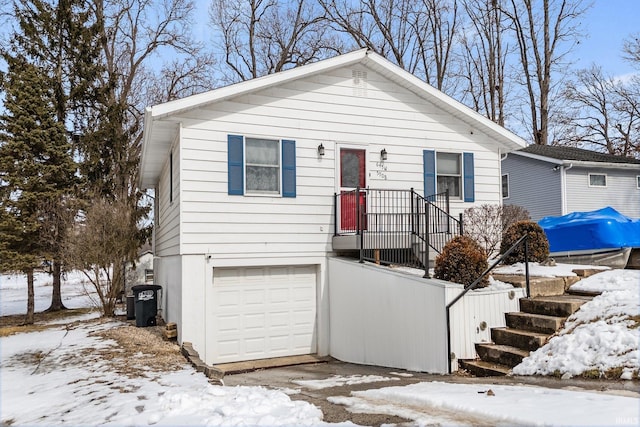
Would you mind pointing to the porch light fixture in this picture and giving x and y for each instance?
(383, 154)
(320, 150)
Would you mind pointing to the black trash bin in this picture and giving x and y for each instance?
(146, 301)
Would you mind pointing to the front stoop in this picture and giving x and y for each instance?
(526, 331)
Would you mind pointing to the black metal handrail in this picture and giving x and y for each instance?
(524, 239)
(395, 226)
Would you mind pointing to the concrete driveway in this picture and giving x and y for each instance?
(287, 379)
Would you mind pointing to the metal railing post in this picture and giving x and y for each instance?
(461, 226)
(526, 264)
(427, 245)
(358, 231)
(335, 214)
(446, 199)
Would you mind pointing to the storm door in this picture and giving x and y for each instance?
(352, 177)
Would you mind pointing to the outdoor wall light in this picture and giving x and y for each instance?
(320, 150)
(383, 154)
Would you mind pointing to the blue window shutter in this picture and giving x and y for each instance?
(235, 160)
(469, 184)
(288, 168)
(429, 168)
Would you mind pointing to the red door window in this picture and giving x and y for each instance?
(352, 176)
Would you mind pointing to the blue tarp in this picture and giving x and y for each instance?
(601, 229)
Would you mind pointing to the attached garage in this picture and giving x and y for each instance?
(262, 312)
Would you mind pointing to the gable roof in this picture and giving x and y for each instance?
(561, 154)
(161, 125)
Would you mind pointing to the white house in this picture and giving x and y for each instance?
(557, 180)
(246, 178)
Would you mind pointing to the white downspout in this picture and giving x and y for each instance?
(563, 186)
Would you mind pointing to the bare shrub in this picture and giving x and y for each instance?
(103, 234)
(486, 224)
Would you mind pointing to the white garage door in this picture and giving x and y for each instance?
(263, 312)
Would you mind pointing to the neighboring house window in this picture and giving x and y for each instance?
(638, 182)
(452, 171)
(597, 180)
(505, 186)
(261, 166)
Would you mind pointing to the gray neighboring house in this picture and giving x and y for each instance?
(556, 180)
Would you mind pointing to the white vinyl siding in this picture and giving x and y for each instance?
(167, 230)
(316, 110)
(620, 193)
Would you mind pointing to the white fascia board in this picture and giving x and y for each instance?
(541, 158)
(438, 97)
(216, 95)
(602, 165)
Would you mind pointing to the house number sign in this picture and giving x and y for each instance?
(381, 171)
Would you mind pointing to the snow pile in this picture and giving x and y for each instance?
(337, 381)
(55, 377)
(535, 269)
(438, 403)
(602, 336)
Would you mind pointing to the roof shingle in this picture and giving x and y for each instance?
(578, 154)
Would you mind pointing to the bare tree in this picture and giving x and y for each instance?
(603, 113)
(260, 37)
(545, 31)
(418, 36)
(136, 33)
(436, 40)
(485, 53)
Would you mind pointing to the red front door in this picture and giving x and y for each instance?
(352, 176)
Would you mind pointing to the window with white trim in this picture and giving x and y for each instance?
(597, 180)
(449, 173)
(262, 166)
(505, 186)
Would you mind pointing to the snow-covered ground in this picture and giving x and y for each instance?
(53, 377)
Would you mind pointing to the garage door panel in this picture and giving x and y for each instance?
(262, 312)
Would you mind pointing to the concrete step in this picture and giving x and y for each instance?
(534, 322)
(501, 354)
(538, 286)
(526, 340)
(560, 305)
(480, 368)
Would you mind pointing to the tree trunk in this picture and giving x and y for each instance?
(56, 295)
(28, 319)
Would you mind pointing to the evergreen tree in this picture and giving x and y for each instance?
(61, 37)
(36, 165)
